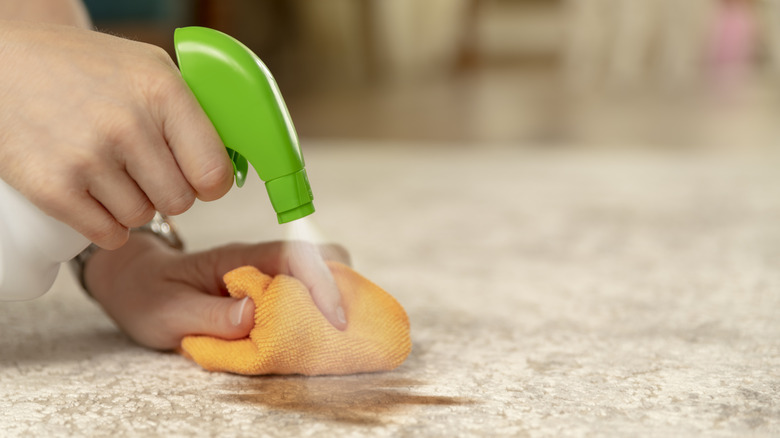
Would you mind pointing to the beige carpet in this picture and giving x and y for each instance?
(550, 294)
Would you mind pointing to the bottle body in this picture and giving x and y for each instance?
(33, 245)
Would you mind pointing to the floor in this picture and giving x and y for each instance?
(552, 292)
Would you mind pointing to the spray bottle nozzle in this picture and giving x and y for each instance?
(291, 196)
(243, 102)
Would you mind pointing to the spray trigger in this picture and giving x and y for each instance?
(240, 166)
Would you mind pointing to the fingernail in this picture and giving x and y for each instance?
(340, 315)
(237, 311)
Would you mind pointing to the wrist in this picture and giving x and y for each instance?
(102, 268)
(94, 265)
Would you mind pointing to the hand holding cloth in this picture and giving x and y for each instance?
(291, 336)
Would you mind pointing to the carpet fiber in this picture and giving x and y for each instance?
(550, 294)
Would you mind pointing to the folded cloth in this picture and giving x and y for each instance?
(291, 336)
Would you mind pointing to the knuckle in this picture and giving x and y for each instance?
(75, 167)
(157, 57)
(121, 124)
(159, 53)
(177, 204)
(142, 213)
(159, 83)
(150, 58)
(159, 86)
(215, 316)
(108, 234)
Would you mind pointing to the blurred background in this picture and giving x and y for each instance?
(538, 73)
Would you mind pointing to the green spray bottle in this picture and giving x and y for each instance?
(243, 102)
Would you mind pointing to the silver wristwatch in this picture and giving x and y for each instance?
(160, 225)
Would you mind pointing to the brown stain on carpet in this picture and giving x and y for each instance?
(360, 400)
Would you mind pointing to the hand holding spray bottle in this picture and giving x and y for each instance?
(242, 100)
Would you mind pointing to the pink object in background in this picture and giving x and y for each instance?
(732, 43)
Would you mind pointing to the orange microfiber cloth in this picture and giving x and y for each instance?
(291, 336)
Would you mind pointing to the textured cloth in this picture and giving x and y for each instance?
(291, 336)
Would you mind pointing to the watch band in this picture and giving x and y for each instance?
(161, 226)
(164, 228)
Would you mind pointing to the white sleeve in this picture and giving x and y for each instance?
(32, 247)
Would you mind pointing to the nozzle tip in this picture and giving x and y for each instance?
(291, 196)
(296, 213)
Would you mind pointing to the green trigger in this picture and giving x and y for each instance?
(240, 166)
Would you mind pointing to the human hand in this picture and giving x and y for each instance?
(158, 295)
(99, 131)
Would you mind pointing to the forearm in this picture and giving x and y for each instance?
(66, 12)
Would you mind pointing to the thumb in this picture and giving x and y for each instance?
(221, 317)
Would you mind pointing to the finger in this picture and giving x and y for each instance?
(195, 144)
(213, 264)
(122, 197)
(336, 253)
(154, 169)
(325, 294)
(301, 260)
(221, 317)
(307, 265)
(162, 320)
